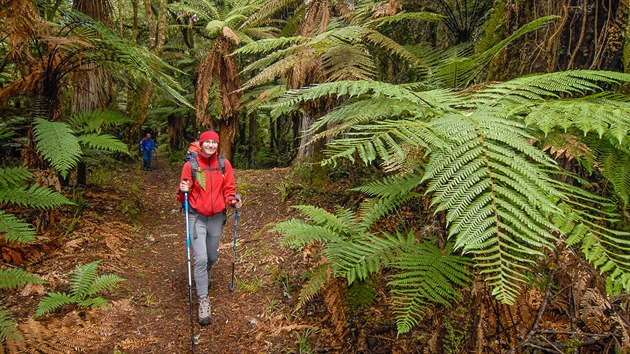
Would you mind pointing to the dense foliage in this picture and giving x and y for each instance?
(506, 120)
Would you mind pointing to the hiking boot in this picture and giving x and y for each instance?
(204, 310)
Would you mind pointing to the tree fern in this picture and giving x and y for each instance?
(494, 187)
(427, 276)
(103, 142)
(460, 71)
(84, 284)
(96, 120)
(355, 254)
(359, 258)
(57, 144)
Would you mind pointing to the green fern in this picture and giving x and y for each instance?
(33, 197)
(96, 120)
(57, 143)
(84, 285)
(8, 330)
(103, 142)
(355, 254)
(14, 176)
(460, 71)
(362, 257)
(428, 276)
(319, 277)
(13, 278)
(15, 230)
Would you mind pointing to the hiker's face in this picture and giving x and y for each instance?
(209, 147)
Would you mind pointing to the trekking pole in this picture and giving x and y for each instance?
(231, 286)
(192, 326)
(156, 158)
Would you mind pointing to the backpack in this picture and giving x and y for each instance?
(191, 156)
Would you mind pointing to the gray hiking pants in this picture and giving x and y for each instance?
(205, 233)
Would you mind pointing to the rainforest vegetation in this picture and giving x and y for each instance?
(450, 176)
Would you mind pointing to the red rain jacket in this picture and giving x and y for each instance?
(220, 189)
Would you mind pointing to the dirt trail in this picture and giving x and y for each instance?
(243, 321)
(149, 311)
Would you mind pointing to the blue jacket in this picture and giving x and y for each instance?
(147, 144)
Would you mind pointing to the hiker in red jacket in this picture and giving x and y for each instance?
(210, 187)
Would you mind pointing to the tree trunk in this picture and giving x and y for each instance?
(253, 139)
(175, 131)
(305, 150)
(227, 132)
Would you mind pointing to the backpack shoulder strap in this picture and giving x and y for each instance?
(222, 164)
(194, 165)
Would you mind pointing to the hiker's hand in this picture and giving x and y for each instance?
(184, 187)
(237, 203)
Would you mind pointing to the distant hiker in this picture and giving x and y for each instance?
(147, 145)
(209, 180)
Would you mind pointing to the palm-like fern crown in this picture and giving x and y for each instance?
(503, 204)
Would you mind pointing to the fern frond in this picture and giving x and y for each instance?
(83, 280)
(298, 233)
(460, 71)
(94, 121)
(53, 301)
(427, 276)
(352, 113)
(14, 176)
(319, 277)
(607, 118)
(103, 142)
(267, 11)
(493, 184)
(383, 140)
(607, 250)
(33, 197)
(538, 87)
(340, 223)
(93, 302)
(615, 167)
(15, 230)
(348, 62)
(13, 278)
(390, 46)
(374, 209)
(268, 45)
(404, 16)
(102, 283)
(356, 260)
(57, 143)
(8, 329)
(281, 67)
(364, 89)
